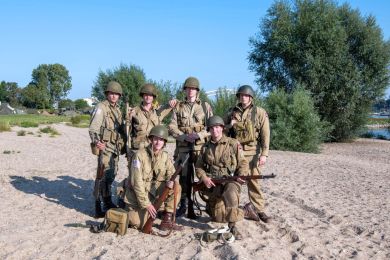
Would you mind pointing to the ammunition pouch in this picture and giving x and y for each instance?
(94, 149)
(116, 221)
(244, 132)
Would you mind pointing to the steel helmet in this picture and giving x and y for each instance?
(245, 89)
(114, 87)
(159, 131)
(191, 82)
(148, 88)
(215, 120)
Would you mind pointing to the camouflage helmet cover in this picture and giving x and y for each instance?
(159, 131)
(245, 89)
(191, 82)
(148, 88)
(215, 120)
(114, 87)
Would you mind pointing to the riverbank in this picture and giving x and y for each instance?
(334, 204)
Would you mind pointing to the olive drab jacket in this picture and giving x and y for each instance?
(260, 122)
(221, 158)
(107, 125)
(189, 118)
(142, 121)
(147, 172)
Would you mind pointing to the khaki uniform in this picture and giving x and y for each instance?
(254, 149)
(189, 118)
(141, 122)
(148, 174)
(218, 159)
(107, 125)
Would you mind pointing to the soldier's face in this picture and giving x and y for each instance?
(157, 143)
(245, 99)
(148, 99)
(112, 97)
(191, 92)
(216, 132)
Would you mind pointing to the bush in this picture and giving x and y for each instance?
(49, 130)
(4, 126)
(295, 123)
(21, 133)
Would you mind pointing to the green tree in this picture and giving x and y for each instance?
(34, 96)
(66, 103)
(10, 93)
(331, 50)
(130, 77)
(294, 121)
(223, 101)
(80, 104)
(54, 79)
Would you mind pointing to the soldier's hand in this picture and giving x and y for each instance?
(208, 182)
(101, 145)
(169, 184)
(262, 160)
(152, 211)
(194, 136)
(233, 122)
(172, 102)
(240, 181)
(189, 139)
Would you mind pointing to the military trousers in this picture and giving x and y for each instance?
(256, 197)
(188, 169)
(110, 162)
(223, 202)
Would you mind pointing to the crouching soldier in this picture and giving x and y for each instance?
(222, 156)
(149, 173)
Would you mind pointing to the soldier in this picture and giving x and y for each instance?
(187, 126)
(250, 126)
(222, 156)
(106, 132)
(144, 117)
(149, 173)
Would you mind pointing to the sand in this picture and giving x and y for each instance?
(335, 204)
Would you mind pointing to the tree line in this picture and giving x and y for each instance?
(320, 69)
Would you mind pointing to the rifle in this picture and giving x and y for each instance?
(147, 228)
(96, 190)
(127, 129)
(199, 186)
(189, 180)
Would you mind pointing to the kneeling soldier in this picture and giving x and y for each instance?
(222, 156)
(149, 172)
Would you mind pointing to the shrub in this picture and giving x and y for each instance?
(295, 123)
(49, 130)
(21, 133)
(4, 126)
(27, 124)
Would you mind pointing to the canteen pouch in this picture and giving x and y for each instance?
(116, 221)
(94, 149)
(244, 132)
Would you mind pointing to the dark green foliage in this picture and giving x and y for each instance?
(334, 52)
(295, 124)
(10, 93)
(80, 104)
(66, 104)
(130, 77)
(34, 96)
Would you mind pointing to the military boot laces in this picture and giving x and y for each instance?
(168, 224)
(182, 208)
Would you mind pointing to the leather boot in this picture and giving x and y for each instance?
(236, 233)
(182, 208)
(108, 204)
(263, 217)
(168, 224)
(250, 212)
(99, 213)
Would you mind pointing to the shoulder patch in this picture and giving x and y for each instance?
(136, 164)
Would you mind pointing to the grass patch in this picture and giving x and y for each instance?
(79, 121)
(4, 126)
(16, 120)
(378, 121)
(21, 133)
(49, 130)
(29, 124)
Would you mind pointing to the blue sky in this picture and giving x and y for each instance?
(169, 40)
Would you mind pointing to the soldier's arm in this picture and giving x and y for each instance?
(138, 182)
(264, 132)
(163, 111)
(96, 123)
(199, 166)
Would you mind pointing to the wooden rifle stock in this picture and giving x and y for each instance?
(198, 186)
(99, 176)
(147, 228)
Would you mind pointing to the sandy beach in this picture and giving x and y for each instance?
(331, 205)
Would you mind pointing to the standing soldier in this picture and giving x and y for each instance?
(187, 126)
(250, 126)
(106, 132)
(149, 173)
(222, 156)
(144, 117)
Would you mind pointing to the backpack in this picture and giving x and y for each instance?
(116, 221)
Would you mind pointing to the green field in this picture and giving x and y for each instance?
(36, 120)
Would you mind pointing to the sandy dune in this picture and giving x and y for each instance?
(335, 204)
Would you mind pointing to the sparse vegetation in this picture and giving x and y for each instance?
(80, 121)
(21, 133)
(27, 124)
(16, 120)
(49, 130)
(4, 126)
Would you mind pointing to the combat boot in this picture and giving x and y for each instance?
(236, 233)
(263, 217)
(250, 212)
(108, 204)
(99, 213)
(182, 208)
(168, 224)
